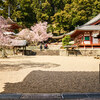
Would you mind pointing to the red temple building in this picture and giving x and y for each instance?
(87, 35)
(13, 25)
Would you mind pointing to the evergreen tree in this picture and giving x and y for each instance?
(62, 15)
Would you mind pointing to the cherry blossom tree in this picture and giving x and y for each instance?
(25, 34)
(40, 32)
(4, 40)
(37, 33)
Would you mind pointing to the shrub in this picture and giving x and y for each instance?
(66, 40)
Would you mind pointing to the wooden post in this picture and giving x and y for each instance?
(84, 46)
(23, 51)
(83, 41)
(99, 73)
(13, 50)
(16, 51)
(4, 53)
(91, 40)
(67, 53)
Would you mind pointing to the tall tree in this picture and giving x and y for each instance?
(63, 14)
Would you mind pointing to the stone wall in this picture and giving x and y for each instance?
(63, 52)
(32, 51)
(46, 52)
(54, 47)
(89, 52)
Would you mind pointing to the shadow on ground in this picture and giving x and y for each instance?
(38, 52)
(16, 67)
(56, 82)
(27, 52)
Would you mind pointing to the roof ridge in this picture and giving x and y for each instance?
(96, 18)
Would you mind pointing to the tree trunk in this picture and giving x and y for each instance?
(59, 32)
(4, 53)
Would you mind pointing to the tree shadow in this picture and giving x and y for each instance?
(28, 52)
(56, 82)
(16, 67)
(78, 52)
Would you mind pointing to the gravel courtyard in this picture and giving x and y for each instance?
(49, 74)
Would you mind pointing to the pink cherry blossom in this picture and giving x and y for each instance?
(38, 33)
(4, 40)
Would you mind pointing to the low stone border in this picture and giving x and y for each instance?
(62, 52)
(51, 96)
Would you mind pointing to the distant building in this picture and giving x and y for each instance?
(87, 35)
(11, 27)
(13, 24)
(10, 32)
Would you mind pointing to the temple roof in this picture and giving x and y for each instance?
(13, 24)
(18, 43)
(93, 20)
(9, 33)
(70, 33)
(90, 28)
(57, 37)
(10, 21)
(85, 28)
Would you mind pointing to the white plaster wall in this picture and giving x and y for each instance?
(95, 40)
(87, 42)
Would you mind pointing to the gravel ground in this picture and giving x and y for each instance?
(49, 74)
(55, 82)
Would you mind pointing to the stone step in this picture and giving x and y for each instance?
(55, 96)
(51, 96)
(83, 96)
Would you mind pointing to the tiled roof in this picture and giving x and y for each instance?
(9, 33)
(91, 27)
(88, 28)
(18, 42)
(84, 27)
(93, 20)
(70, 33)
(57, 37)
(10, 21)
